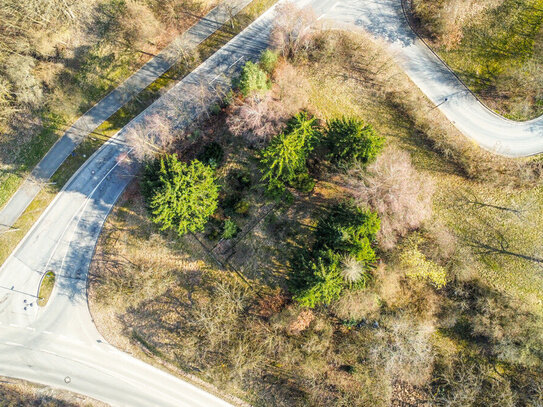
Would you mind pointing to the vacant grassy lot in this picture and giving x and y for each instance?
(496, 47)
(220, 309)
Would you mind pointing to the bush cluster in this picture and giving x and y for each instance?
(348, 140)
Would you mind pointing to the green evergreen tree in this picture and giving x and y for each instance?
(323, 282)
(348, 229)
(319, 275)
(268, 60)
(286, 155)
(350, 140)
(179, 195)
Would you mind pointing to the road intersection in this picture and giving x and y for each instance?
(59, 344)
(48, 345)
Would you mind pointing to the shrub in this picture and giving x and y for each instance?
(242, 207)
(212, 154)
(229, 203)
(230, 229)
(252, 79)
(350, 140)
(179, 195)
(419, 267)
(291, 32)
(268, 61)
(303, 183)
(242, 179)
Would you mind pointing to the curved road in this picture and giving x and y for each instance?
(385, 18)
(111, 103)
(59, 345)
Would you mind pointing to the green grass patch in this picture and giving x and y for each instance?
(500, 57)
(46, 288)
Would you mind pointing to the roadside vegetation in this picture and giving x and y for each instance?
(46, 288)
(15, 393)
(58, 58)
(15, 164)
(361, 250)
(496, 47)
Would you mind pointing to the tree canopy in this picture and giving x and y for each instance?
(286, 156)
(340, 258)
(180, 196)
(351, 140)
(252, 79)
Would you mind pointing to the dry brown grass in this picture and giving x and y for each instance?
(445, 20)
(14, 392)
(202, 318)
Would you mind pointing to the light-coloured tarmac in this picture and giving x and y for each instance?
(59, 345)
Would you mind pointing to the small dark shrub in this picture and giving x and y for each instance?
(242, 208)
(212, 154)
(229, 204)
(303, 183)
(241, 180)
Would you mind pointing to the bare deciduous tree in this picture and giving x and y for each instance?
(292, 29)
(260, 117)
(254, 119)
(154, 135)
(401, 196)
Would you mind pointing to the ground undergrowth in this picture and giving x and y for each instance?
(217, 304)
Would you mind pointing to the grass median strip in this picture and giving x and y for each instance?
(46, 288)
(10, 239)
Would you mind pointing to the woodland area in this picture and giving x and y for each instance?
(59, 57)
(336, 242)
(495, 46)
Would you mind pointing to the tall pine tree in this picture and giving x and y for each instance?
(179, 195)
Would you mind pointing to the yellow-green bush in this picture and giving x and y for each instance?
(419, 267)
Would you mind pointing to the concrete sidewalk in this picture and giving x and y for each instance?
(110, 104)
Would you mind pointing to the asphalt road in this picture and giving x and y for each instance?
(49, 344)
(385, 19)
(59, 345)
(116, 99)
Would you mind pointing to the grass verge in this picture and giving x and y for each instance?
(46, 288)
